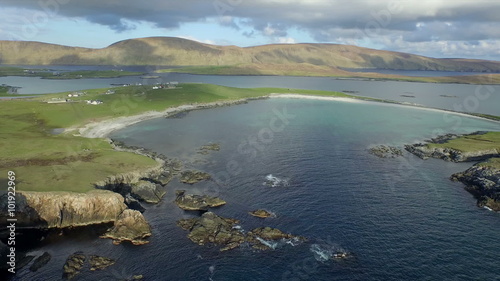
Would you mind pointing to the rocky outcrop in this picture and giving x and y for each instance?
(191, 202)
(73, 265)
(192, 177)
(100, 263)
(224, 232)
(424, 151)
(212, 229)
(449, 154)
(261, 213)
(262, 238)
(147, 191)
(40, 262)
(130, 226)
(204, 150)
(484, 183)
(65, 209)
(384, 151)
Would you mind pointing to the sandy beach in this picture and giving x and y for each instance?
(299, 96)
(102, 129)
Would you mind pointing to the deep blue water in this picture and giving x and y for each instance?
(402, 218)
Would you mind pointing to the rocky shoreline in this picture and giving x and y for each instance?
(484, 183)
(449, 154)
(481, 180)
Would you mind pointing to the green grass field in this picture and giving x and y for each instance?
(473, 143)
(47, 162)
(46, 74)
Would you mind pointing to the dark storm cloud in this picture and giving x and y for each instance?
(413, 20)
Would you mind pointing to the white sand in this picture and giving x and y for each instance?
(299, 96)
(102, 129)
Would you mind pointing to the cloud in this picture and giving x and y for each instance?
(419, 22)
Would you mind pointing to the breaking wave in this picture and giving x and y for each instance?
(276, 182)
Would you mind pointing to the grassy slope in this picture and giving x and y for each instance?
(493, 162)
(181, 52)
(473, 143)
(45, 162)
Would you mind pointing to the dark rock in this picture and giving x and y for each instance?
(192, 177)
(384, 151)
(209, 147)
(130, 226)
(40, 262)
(147, 191)
(342, 255)
(100, 263)
(261, 237)
(260, 213)
(191, 202)
(212, 229)
(484, 183)
(73, 265)
(133, 204)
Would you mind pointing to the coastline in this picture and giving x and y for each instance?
(101, 129)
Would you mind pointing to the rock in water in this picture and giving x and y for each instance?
(147, 191)
(212, 229)
(100, 263)
(260, 213)
(191, 202)
(130, 226)
(261, 238)
(384, 151)
(192, 177)
(209, 147)
(73, 265)
(40, 262)
(484, 183)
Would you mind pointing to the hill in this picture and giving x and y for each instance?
(168, 51)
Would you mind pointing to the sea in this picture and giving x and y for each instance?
(307, 162)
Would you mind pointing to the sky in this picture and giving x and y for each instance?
(435, 28)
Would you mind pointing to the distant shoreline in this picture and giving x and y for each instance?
(102, 129)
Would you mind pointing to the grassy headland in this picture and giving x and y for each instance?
(472, 143)
(47, 162)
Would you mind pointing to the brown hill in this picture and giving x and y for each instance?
(163, 51)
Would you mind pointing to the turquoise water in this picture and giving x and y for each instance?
(402, 218)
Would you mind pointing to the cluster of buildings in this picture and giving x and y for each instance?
(76, 94)
(94, 102)
(168, 85)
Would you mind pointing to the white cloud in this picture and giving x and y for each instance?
(285, 40)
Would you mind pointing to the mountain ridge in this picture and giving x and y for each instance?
(172, 51)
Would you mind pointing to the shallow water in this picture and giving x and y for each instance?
(403, 219)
